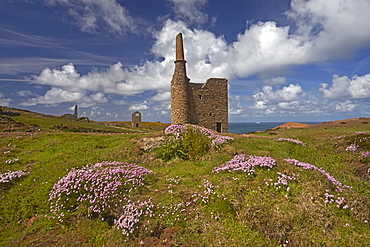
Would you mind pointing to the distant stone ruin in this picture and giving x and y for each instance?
(73, 116)
(136, 120)
(8, 113)
(203, 104)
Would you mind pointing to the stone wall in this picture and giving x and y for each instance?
(210, 104)
(73, 116)
(136, 120)
(203, 104)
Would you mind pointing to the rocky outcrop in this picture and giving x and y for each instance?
(147, 144)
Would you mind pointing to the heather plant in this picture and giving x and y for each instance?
(11, 175)
(352, 148)
(365, 154)
(175, 129)
(9, 161)
(339, 187)
(185, 210)
(132, 213)
(189, 141)
(365, 157)
(102, 188)
(292, 140)
(246, 163)
(357, 141)
(283, 180)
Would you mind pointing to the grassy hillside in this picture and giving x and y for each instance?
(21, 120)
(195, 201)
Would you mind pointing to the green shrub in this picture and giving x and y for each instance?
(190, 145)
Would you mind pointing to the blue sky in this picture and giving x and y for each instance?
(299, 60)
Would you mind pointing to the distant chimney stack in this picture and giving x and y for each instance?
(75, 115)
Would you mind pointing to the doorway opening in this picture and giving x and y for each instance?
(218, 127)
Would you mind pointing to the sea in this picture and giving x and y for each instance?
(242, 128)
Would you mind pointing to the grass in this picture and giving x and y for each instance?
(42, 123)
(241, 210)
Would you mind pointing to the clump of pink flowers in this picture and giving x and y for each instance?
(102, 187)
(283, 179)
(352, 148)
(365, 154)
(292, 140)
(339, 187)
(9, 161)
(175, 129)
(11, 175)
(246, 163)
(186, 209)
(132, 212)
(178, 130)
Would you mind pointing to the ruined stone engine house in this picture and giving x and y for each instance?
(203, 104)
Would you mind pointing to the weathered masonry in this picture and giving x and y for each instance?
(73, 116)
(203, 104)
(136, 119)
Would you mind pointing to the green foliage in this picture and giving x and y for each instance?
(362, 140)
(170, 149)
(238, 210)
(195, 144)
(191, 145)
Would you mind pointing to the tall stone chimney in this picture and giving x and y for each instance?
(180, 87)
(75, 115)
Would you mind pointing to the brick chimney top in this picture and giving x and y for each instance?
(179, 48)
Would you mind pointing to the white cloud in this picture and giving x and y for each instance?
(166, 96)
(325, 30)
(266, 48)
(235, 107)
(205, 53)
(26, 93)
(357, 87)
(111, 114)
(114, 80)
(335, 28)
(164, 112)
(287, 99)
(286, 94)
(155, 75)
(275, 80)
(138, 107)
(58, 95)
(92, 15)
(346, 106)
(190, 10)
(293, 105)
(119, 102)
(96, 111)
(162, 106)
(4, 101)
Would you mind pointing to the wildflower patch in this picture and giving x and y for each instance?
(292, 140)
(189, 141)
(11, 175)
(178, 130)
(105, 188)
(339, 187)
(246, 163)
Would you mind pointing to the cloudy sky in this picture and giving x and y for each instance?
(286, 60)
